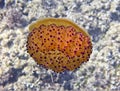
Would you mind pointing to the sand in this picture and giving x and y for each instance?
(19, 72)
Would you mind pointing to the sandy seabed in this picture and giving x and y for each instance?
(101, 19)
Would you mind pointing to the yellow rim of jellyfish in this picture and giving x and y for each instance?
(59, 22)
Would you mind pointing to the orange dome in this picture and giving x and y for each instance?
(58, 44)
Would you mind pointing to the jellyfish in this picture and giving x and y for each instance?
(58, 44)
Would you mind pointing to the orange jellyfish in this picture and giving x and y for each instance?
(58, 44)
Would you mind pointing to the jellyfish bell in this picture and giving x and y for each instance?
(58, 44)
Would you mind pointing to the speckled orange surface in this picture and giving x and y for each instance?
(58, 44)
